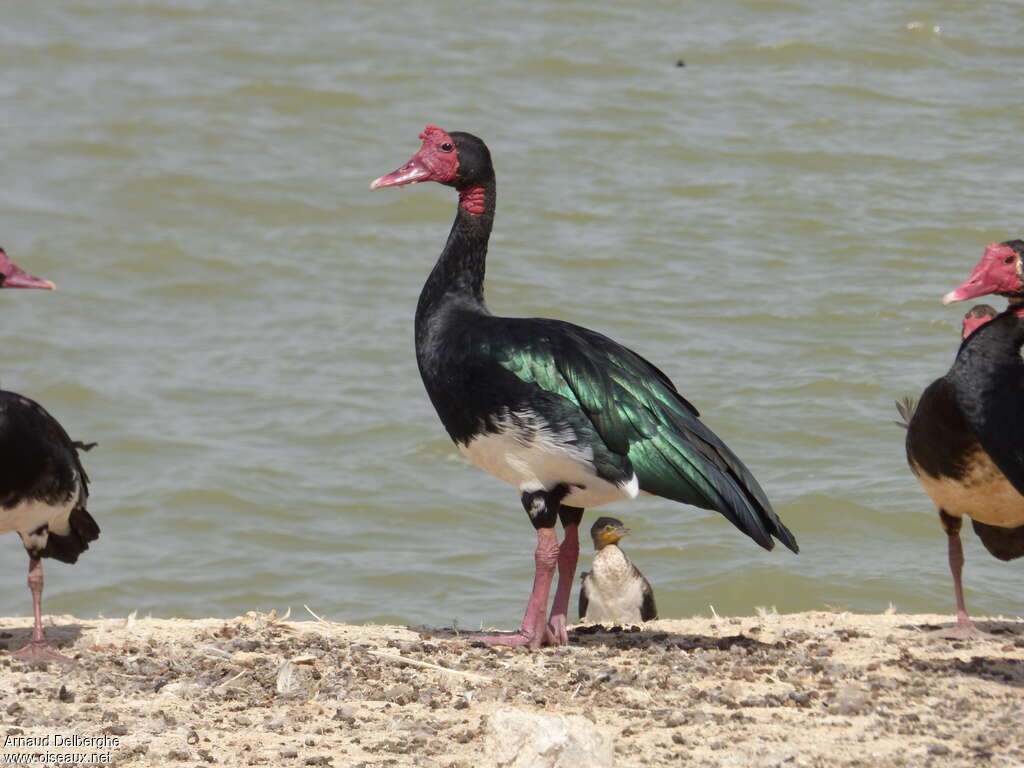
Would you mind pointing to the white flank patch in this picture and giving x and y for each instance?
(527, 453)
(984, 494)
(29, 515)
(632, 488)
(615, 592)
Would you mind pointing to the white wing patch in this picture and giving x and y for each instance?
(531, 455)
(28, 516)
(632, 487)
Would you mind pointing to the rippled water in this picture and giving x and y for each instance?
(772, 223)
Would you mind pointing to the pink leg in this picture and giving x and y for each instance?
(568, 554)
(964, 626)
(534, 630)
(37, 650)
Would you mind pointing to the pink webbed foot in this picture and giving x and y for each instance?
(37, 651)
(534, 631)
(511, 639)
(541, 636)
(41, 653)
(558, 634)
(964, 629)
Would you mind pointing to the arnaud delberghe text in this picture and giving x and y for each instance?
(63, 740)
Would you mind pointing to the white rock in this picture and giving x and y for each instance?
(519, 739)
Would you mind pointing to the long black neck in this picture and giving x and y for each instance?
(993, 346)
(989, 365)
(459, 273)
(988, 384)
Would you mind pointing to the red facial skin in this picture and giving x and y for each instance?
(995, 273)
(437, 161)
(16, 277)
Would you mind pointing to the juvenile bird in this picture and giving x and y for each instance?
(613, 590)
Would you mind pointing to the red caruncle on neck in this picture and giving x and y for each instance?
(472, 200)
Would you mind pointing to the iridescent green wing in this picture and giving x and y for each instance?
(638, 414)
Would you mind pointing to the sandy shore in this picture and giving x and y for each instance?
(811, 689)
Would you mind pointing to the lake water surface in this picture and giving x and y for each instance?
(773, 224)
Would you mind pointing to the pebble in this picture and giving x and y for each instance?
(400, 694)
(521, 739)
(850, 700)
(346, 712)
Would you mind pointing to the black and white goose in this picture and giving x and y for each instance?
(43, 487)
(964, 438)
(613, 590)
(568, 416)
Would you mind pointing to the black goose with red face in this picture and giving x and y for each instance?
(43, 486)
(964, 437)
(568, 416)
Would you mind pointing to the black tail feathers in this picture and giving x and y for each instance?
(1004, 543)
(67, 548)
(905, 407)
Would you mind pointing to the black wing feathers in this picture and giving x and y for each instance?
(640, 417)
(584, 600)
(648, 611)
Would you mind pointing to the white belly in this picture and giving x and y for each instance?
(614, 591)
(529, 455)
(29, 516)
(984, 494)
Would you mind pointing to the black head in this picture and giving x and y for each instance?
(475, 168)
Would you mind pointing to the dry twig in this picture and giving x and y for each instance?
(426, 664)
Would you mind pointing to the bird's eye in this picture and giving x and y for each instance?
(1008, 259)
(447, 147)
